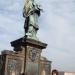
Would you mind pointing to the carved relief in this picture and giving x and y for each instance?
(33, 55)
(14, 67)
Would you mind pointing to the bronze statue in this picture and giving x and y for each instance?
(31, 12)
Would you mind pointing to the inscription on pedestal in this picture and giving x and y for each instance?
(32, 68)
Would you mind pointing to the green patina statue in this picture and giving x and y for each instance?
(31, 12)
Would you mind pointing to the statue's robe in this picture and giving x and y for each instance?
(31, 12)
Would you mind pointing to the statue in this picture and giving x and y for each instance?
(31, 12)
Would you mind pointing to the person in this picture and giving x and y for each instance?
(22, 74)
(31, 12)
(55, 72)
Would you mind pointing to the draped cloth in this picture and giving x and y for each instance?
(31, 12)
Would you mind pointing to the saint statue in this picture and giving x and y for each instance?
(31, 12)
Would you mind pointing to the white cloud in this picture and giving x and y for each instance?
(11, 23)
(59, 32)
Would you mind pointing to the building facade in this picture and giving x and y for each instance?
(66, 73)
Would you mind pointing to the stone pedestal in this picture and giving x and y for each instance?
(31, 49)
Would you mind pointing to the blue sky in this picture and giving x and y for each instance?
(57, 29)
